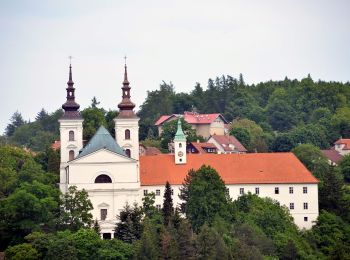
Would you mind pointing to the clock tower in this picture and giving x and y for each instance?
(180, 145)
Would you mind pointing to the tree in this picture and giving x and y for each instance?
(16, 121)
(242, 135)
(184, 190)
(22, 251)
(129, 227)
(93, 118)
(75, 209)
(344, 166)
(96, 227)
(168, 209)
(147, 247)
(207, 198)
(148, 207)
(313, 159)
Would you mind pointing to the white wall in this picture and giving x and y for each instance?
(265, 190)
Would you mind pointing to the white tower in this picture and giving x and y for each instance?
(127, 123)
(180, 145)
(71, 132)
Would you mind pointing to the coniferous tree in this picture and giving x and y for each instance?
(96, 227)
(128, 229)
(148, 245)
(168, 209)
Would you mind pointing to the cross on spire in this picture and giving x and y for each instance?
(125, 60)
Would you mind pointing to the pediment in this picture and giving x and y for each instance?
(103, 205)
(103, 156)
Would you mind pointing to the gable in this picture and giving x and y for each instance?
(102, 156)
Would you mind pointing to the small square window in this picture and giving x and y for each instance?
(291, 190)
(306, 219)
(257, 191)
(157, 192)
(241, 190)
(304, 190)
(158, 206)
(277, 190)
(172, 191)
(291, 205)
(306, 206)
(145, 192)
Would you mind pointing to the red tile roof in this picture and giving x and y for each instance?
(56, 145)
(253, 168)
(226, 140)
(200, 146)
(192, 118)
(346, 142)
(332, 155)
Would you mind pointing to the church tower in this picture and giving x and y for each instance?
(71, 125)
(180, 145)
(127, 123)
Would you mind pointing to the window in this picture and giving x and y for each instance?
(277, 190)
(180, 160)
(291, 205)
(291, 190)
(241, 190)
(71, 135)
(306, 206)
(158, 207)
(172, 191)
(128, 152)
(257, 191)
(127, 134)
(107, 236)
(180, 145)
(304, 190)
(305, 219)
(71, 155)
(145, 192)
(157, 192)
(103, 214)
(103, 178)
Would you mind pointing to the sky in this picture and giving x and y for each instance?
(182, 42)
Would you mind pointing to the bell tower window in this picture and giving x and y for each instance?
(71, 155)
(127, 134)
(71, 135)
(128, 152)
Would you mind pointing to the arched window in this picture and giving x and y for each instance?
(180, 145)
(127, 134)
(71, 155)
(128, 152)
(103, 178)
(71, 135)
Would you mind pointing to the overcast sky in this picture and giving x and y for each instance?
(179, 41)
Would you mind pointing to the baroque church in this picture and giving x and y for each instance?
(113, 173)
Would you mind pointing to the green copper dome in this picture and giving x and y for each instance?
(179, 136)
(101, 140)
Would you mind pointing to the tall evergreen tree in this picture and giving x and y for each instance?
(168, 209)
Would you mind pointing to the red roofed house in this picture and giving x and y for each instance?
(201, 148)
(204, 124)
(227, 144)
(112, 172)
(335, 154)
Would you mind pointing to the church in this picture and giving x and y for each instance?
(113, 173)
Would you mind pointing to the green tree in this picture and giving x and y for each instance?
(23, 251)
(147, 247)
(129, 227)
(207, 198)
(313, 159)
(242, 135)
(75, 209)
(93, 118)
(168, 209)
(344, 166)
(16, 121)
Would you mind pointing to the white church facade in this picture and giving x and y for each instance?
(113, 173)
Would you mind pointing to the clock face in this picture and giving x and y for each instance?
(180, 154)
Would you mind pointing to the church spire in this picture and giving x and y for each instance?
(71, 108)
(126, 107)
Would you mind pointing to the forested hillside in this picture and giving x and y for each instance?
(269, 116)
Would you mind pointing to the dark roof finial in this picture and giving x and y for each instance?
(125, 82)
(70, 80)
